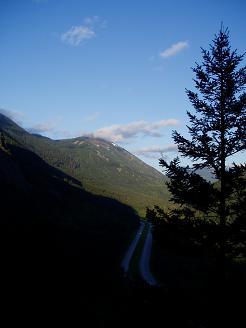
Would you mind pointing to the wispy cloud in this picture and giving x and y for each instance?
(80, 33)
(126, 132)
(92, 117)
(174, 49)
(76, 34)
(91, 20)
(95, 21)
(50, 127)
(41, 128)
(155, 151)
(13, 115)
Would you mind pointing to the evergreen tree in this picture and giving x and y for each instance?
(212, 215)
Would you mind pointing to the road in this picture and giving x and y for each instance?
(127, 259)
(144, 263)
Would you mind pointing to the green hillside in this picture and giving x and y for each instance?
(101, 167)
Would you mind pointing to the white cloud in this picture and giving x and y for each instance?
(77, 34)
(155, 151)
(122, 133)
(174, 49)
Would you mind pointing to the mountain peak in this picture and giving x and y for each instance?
(7, 124)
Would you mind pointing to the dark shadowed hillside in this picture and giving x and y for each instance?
(56, 239)
(61, 249)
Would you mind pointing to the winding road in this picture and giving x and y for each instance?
(144, 261)
(127, 259)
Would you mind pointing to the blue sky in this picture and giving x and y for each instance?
(113, 69)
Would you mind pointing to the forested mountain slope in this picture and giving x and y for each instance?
(100, 166)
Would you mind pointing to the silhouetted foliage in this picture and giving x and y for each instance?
(210, 217)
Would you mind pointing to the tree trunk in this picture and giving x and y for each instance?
(221, 260)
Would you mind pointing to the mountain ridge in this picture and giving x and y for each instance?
(102, 167)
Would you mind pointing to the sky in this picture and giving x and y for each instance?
(108, 68)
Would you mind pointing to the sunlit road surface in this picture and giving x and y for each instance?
(127, 259)
(144, 263)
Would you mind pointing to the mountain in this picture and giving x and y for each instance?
(101, 167)
(60, 246)
(207, 174)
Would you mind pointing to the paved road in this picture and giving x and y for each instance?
(144, 263)
(126, 261)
